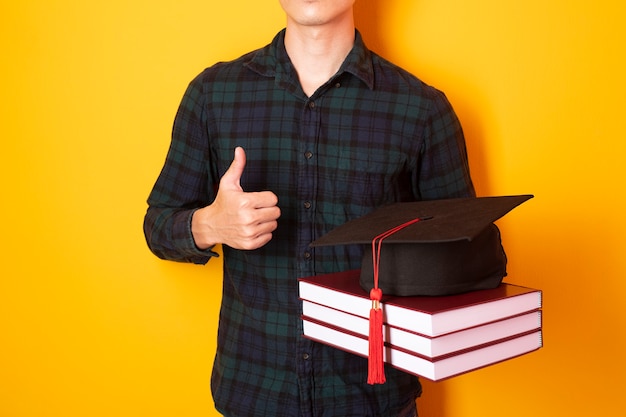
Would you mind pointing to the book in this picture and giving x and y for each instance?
(425, 345)
(426, 315)
(435, 369)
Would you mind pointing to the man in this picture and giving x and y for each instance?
(270, 152)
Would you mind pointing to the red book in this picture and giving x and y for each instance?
(434, 369)
(428, 316)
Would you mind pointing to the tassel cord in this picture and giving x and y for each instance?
(376, 369)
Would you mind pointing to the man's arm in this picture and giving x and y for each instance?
(187, 213)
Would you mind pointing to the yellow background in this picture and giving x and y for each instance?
(92, 324)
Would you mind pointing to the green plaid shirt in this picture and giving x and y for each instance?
(372, 135)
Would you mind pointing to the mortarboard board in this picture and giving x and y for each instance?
(436, 247)
(453, 248)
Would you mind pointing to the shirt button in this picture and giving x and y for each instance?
(311, 104)
(308, 154)
(337, 85)
(307, 204)
(306, 356)
(307, 255)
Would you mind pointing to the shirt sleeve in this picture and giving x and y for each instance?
(444, 168)
(184, 184)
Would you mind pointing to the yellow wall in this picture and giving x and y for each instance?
(91, 324)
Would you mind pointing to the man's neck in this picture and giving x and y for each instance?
(318, 52)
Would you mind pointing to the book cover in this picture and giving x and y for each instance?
(426, 315)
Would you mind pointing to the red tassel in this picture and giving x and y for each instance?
(376, 366)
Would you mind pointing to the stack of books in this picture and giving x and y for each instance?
(433, 337)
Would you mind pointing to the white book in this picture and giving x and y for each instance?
(429, 316)
(425, 345)
(433, 369)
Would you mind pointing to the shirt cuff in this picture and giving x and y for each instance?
(193, 253)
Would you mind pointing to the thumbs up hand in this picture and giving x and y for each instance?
(236, 218)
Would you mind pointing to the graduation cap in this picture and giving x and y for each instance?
(450, 246)
(437, 247)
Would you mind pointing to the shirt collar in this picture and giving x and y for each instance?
(273, 61)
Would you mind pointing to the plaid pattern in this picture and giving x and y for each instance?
(372, 135)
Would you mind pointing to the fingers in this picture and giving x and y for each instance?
(231, 180)
(255, 235)
(239, 219)
(249, 226)
(257, 214)
(259, 200)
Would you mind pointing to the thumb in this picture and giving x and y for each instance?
(232, 177)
